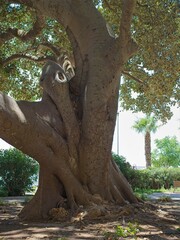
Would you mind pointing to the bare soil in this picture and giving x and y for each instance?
(157, 220)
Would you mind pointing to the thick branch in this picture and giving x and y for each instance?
(127, 45)
(31, 58)
(127, 12)
(22, 124)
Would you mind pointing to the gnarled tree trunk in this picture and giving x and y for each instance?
(70, 131)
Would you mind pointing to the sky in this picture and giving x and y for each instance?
(130, 144)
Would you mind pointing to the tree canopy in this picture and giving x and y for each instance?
(166, 153)
(150, 78)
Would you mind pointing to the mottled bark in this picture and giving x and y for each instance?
(70, 131)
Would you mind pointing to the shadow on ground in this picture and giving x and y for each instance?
(156, 220)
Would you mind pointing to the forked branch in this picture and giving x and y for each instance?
(28, 57)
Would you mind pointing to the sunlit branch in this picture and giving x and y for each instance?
(133, 77)
(127, 12)
(31, 58)
(125, 40)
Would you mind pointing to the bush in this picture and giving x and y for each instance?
(154, 178)
(124, 166)
(151, 178)
(18, 172)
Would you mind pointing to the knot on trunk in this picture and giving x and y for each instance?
(52, 74)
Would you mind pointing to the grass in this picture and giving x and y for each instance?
(162, 190)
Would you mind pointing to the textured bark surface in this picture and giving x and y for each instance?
(148, 149)
(70, 131)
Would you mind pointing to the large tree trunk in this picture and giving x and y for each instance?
(70, 131)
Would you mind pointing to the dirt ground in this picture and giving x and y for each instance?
(151, 220)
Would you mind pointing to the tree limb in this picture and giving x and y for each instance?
(31, 58)
(23, 125)
(127, 12)
(127, 45)
(133, 77)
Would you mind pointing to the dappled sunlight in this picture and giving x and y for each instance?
(153, 221)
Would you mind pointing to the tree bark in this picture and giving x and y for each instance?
(70, 131)
(148, 149)
(74, 165)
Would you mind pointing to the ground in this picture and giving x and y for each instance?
(158, 220)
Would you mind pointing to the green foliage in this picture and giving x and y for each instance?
(154, 178)
(18, 172)
(19, 76)
(130, 230)
(155, 27)
(124, 166)
(167, 153)
(146, 124)
(156, 30)
(3, 192)
(151, 178)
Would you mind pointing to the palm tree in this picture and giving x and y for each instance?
(146, 125)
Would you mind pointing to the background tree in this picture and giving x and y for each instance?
(70, 131)
(18, 172)
(167, 152)
(146, 126)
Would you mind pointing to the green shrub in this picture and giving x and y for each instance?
(154, 178)
(167, 152)
(18, 172)
(3, 192)
(124, 166)
(151, 178)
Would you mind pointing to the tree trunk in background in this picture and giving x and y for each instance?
(148, 149)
